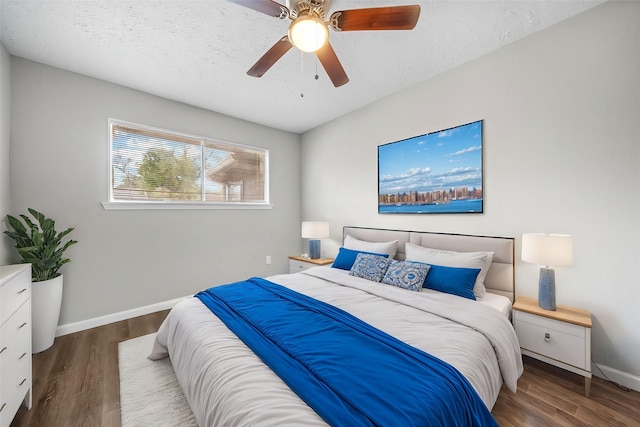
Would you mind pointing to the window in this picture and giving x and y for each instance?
(157, 166)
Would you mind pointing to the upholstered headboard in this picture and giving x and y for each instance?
(501, 275)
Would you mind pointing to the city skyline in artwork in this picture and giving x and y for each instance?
(439, 172)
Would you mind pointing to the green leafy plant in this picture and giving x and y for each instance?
(39, 244)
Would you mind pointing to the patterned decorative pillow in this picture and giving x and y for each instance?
(407, 275)
(371, 267)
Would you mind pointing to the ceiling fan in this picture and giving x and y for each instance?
(309, 31)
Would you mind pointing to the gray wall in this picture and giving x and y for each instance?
(129, 259)
(561, 110)
(5, 126)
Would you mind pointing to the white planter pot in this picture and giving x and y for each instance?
(46, 299)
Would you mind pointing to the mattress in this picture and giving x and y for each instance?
(495, 301)
(226, 384)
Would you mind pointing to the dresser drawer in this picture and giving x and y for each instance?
(14, 293)
(561, 341)
(15, 359)
(16, 332)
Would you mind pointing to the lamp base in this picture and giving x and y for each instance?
(314, 249)
(547, 289)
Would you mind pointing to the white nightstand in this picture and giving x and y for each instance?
(561, 338)
(298, 263)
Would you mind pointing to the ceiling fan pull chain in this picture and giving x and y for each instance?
(301, 74)
(316, 77)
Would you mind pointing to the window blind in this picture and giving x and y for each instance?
(151, 164)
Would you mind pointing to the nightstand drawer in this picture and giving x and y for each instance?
(296, 266)
(556, 325)
(558, 340)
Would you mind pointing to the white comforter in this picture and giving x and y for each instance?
(227, 385)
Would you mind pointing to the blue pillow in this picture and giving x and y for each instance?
(406, 275)
(452, 280)
(346, 258)
(370, 267)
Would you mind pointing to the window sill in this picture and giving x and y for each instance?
(114, 206)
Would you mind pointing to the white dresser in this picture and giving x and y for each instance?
(15, 340)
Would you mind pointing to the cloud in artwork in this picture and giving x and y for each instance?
(466, 150)
(423, 180)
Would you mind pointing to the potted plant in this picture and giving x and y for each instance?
(40, 245)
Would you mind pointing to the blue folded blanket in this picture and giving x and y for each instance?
(349, 372)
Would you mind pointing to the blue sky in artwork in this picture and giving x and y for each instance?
(446, 159)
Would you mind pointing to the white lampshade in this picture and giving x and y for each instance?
(308, 33)
(315, 230)
(554, 250)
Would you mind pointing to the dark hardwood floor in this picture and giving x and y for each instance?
(76, 383)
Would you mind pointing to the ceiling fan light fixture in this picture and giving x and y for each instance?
(308, 33)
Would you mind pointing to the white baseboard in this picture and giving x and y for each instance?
(70, 328)
(619, 377)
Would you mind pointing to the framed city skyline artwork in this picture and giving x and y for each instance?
(436, 173)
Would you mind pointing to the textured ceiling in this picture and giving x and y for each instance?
(198, 52)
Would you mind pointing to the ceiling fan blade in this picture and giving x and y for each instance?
(268, 7)
(376, 18)
(281, 47)
(332, 65)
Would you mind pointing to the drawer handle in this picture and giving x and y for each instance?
(547, 336)
(3, 349)
(23, 325)
(22, 290)
(22, 382)
(2, 407)
(23, 355)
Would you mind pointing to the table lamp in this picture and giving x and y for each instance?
(547, 250)
(314, 230)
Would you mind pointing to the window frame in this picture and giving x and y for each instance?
(113, 204)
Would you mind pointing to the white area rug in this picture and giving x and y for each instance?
(149, 391)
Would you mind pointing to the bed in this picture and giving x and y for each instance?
(227, 384)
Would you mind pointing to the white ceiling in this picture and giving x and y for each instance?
(198, 52)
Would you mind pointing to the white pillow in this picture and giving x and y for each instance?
(375, 247)
(481, 260)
